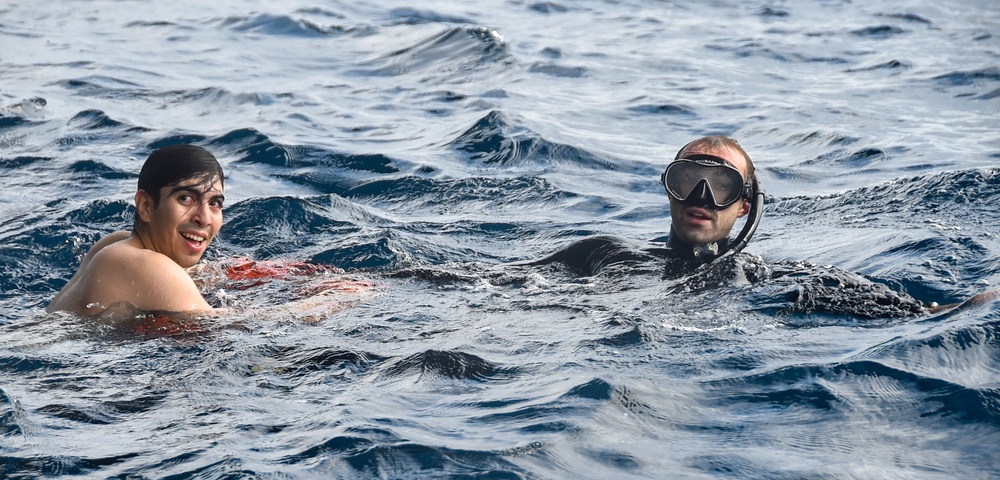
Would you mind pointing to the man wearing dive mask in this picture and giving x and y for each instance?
(710, 184)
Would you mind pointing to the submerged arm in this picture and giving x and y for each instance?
(977, 299)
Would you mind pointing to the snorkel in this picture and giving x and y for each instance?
(753, 219)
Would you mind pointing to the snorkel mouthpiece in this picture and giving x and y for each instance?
(706, 253)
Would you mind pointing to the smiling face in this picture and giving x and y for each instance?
(700, 225)
(184, 221)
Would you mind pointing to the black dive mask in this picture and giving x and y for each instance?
(705, 181)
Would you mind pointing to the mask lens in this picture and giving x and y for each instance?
(724, 181)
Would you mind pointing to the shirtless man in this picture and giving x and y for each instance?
(178, 212)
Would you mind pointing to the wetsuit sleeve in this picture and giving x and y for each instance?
(589, 256)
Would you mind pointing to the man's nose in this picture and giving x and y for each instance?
(202, 214)
(702, 195)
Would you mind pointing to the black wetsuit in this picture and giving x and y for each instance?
(792, 286)
(589, 256)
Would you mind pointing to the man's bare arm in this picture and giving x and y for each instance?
(148, 280)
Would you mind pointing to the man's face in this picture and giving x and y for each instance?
(186, 220)
(700, 225)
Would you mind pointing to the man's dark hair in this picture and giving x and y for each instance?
(174, 164)
(171, 165)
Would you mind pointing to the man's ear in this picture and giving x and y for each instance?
(744, 209)
(143, 206)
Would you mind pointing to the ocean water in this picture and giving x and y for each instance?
(428, 152)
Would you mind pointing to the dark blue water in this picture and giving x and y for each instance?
(425, 149)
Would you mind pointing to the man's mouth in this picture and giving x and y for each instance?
(193, 237)
(698, 214)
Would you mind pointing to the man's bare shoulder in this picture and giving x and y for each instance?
(123, 271)
(109, 239)
(130, 257)
(70, 297)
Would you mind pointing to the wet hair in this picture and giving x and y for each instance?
(719, 142)
(172, 165)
